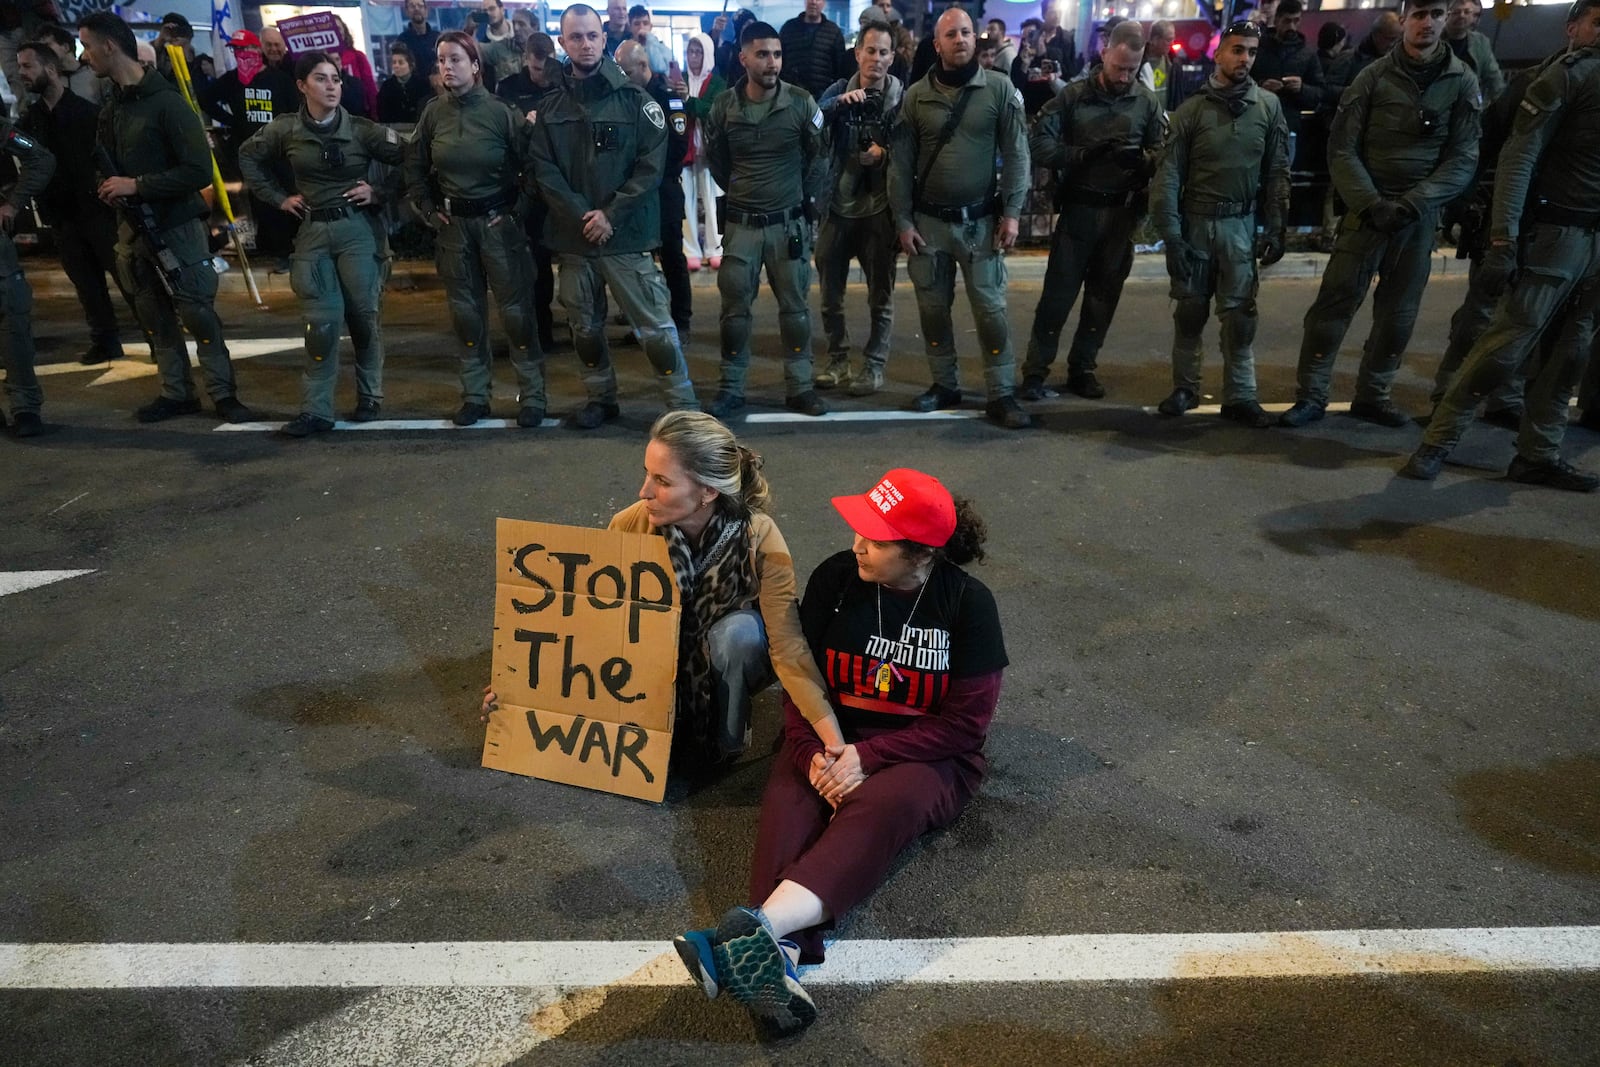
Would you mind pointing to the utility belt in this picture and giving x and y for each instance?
(1098, 198)
(761, 218)
(966, 213)
(1566, 216)
(333, 214)
(1219, 209)
(461, 207)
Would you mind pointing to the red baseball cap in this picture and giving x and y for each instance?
(244, 39)
(905, 505)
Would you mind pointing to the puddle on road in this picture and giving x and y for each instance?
(1548, 815)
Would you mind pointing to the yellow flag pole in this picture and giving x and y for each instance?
(180, 71)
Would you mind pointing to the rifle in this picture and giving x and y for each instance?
(142, 217)
(180, 73)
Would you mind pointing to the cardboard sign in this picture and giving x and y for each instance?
(315, 32)
(585, 657)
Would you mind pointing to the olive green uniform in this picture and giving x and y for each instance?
(35, 165)
(1100, 197)
(153, 136)
(1395, 142)
(1480, 57)
(769, 156)
(465, 160)
(341, 252)
(601, 143)
(1219, 173)
(1547, 203)
(956, 204)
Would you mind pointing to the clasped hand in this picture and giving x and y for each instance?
(836, 772)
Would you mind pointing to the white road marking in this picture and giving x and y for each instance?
(18, 581)
(122, 370)
(945, 961)
(388, 424)
(1216, 409)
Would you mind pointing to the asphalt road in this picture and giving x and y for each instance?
(1256, 683)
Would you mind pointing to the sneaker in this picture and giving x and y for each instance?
(366, 410)
(694, 949)
(1380, 412)
(1180, 401)
(694, 263)
(1302, 412)
(1425, 464)
(591, 415)
(27, 424)
(229, 409)
(716, 262)
(806, 403)
(837, 372)
(1249, 413)
(470, 413)
(867, 382)
(1557, 474)
(1086, 385)
(1033, 388)
(531, 416)
(304, 425)
(726, 405)
(937, 397)
(1006, 412)
(162, 408)
(1505, 418)
(754, 970)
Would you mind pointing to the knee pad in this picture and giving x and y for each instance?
(660, 349)
(322, 340)
(1190, 315)
(590, 344)
(1241, 322)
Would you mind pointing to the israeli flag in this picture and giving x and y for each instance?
(224, 22)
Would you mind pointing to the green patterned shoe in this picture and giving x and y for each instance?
(754, 971)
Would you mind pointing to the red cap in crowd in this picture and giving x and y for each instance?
(244, 39)
(905, 505)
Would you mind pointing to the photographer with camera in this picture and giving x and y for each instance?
(858, 114)
(1102, 136)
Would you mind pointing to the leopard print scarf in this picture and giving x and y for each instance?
(718, 579)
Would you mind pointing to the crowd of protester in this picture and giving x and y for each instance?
(787, 149)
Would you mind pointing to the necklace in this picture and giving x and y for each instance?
(886, 671)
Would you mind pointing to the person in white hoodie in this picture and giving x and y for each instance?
(700, 86)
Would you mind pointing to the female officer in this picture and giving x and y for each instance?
(463, 167)
(911, 651)
(341, 254)
(704, 493)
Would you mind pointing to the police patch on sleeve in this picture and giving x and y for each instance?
(816, 118)
(680, 125)
(652, 111)
(1016, 98)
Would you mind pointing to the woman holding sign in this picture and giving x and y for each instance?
(341, 252)
(911, 649)
(740, 625)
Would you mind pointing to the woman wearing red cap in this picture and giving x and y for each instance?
(910, 648)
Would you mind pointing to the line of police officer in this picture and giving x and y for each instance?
(1404, 145)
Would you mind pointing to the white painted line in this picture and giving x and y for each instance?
(945, 961)
(860, 416)
(122, 370)
(1216, 409)
(71, 502)
(388, 424)
(18, 581)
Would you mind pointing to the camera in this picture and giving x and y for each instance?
(867, 118)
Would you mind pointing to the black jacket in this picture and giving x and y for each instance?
(68, 131)
(399, 102)
(1290, 56)
(813, 54)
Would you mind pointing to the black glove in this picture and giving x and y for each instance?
(1084, 156)
(1389, 216)
(1498, 269)
(1270, 247)
(1180, 259)
(1128, 157)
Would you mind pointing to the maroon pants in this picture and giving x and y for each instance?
(843, 859)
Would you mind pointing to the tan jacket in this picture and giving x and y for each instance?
(779, 605)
